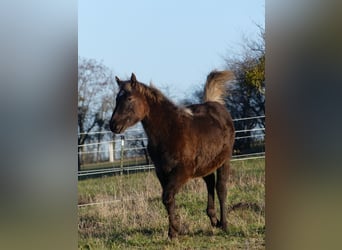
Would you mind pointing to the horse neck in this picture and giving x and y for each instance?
(160, 120)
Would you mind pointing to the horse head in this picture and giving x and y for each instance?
(131, 106)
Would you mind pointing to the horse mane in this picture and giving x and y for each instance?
(151, 92)
(154, 94)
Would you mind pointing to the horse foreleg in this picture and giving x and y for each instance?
(221, 189)
(210, 182)
(169, 203)
(169, 191)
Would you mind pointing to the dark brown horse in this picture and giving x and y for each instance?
(183, 142)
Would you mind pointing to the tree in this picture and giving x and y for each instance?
(96, 99)
(246, 96)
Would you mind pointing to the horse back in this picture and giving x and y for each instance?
(210, 117)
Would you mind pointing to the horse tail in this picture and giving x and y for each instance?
(215, 87)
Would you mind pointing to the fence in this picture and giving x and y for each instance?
(127, 152)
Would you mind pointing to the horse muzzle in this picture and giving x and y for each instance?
(116, 127)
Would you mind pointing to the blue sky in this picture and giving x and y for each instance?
(174, 44)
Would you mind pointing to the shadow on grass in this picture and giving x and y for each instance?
(203, 232)
(124, 236)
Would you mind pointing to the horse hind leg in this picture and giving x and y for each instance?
(221, 189)
(210, 182)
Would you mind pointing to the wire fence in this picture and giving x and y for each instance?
(127, 153)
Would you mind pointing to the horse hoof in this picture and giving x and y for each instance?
(172, 236)
(221, 225)
(172, 233)
(225, 228)
(214, 222)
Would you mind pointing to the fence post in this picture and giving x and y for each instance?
(111, 151)
(122, 153)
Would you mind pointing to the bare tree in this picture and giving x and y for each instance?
(96, 97)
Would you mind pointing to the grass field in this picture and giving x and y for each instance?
(134, 217)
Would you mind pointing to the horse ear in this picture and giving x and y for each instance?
(118, 81)
(133, 80)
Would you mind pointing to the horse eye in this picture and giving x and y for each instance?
(130, 98)
(121, 93)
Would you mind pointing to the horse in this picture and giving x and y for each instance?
(184, 142)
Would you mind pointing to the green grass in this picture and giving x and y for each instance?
(136, 219)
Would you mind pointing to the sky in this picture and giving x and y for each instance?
(174, 44)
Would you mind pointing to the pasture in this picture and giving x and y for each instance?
(128, 212)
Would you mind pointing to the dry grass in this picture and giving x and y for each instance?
(135, 218)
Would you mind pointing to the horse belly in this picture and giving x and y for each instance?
(210, 160)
